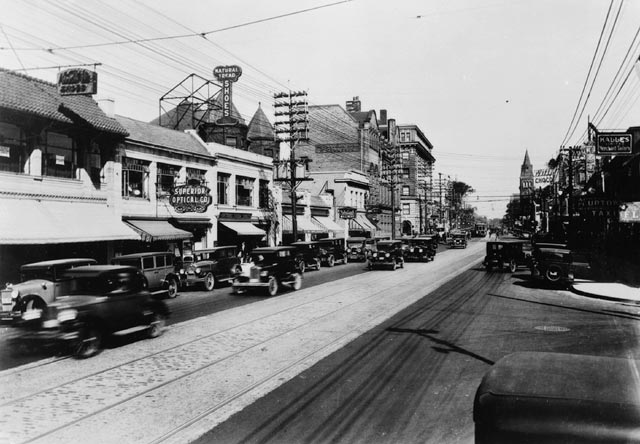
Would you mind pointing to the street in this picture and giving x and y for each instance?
(383, 356)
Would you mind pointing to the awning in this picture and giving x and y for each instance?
(30, 221)
(303, 225)
(157, 230)
(244, 228)
(361, 223)
(328, 223)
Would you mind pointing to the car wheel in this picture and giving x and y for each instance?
(89, 342)
(209, 282)
(331, 261)
(302, 266)
(402, 264)
(297, 281)
(172, 291)
(345, 260)
(318, 264)
(513, 266)
(32, 303)
(272, 289)
(158, 323)
(369, 266)
(553, 273)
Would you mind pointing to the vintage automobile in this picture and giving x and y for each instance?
(359, 248)
(420, 249)
(507, 254)
(210, 266)
(272, 268)
(157, 267)
(308, 255)
(458, 240)
(40, 284)
(389, 254)
(105, 299)
(556, 263)
(544, 397)
(332, 250)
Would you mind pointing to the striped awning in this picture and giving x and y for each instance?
(328, 224)
(303, 224)
(157, 230)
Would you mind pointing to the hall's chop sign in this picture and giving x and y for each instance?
(190, 198)
(227, 75)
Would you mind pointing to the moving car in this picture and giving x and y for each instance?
(420, 249)
(389, 254)
(272, 268)
(210, 266)
(332, 250)
(458, 240)
(105, 299)
(158, 269)
(308, 255)
(40, 284)
(542, 397)
(359, 248)
(507, 254)
(557, 264)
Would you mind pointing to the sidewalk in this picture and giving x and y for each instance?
(606, 290)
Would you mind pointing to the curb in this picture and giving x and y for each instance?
(604, 297)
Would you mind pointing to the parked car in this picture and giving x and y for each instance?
(157, 267)
(105, 299)
(332, 250)
(272, 268)
(359, 248)
(210, 266)
(420, 249)
(308, 255)
(543, 397)
(458, 240)
(507, 254)
(389, 254)
(40, 284)
(557, 264)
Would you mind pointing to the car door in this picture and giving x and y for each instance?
(148, 267)
(122, 307)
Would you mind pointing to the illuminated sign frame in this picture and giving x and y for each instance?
(227, 75)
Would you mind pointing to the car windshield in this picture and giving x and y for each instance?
(263, 258)
(102, 285)
(47, 274)
(134, 262)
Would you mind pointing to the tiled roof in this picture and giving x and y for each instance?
(22, 93)
(260, 128)
(151, 134)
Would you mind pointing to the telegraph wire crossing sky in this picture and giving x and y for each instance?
(484, 80)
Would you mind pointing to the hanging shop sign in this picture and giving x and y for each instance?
(190, 198)
(544, 177)
(77, 81)
(610, 144)
(227, 75)
(347, 212)
(630, 212)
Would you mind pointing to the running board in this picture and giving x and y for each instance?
(128, 331)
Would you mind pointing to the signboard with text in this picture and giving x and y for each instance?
(613, 144)
(630, 213)
(347, 212)
(544, 177)
(190, 198)
(227, 75)
(77, 81)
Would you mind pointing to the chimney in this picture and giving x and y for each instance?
(108, 106)
(354, 105)
(383, 117)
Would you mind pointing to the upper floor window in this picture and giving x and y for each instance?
(406, 209)
(263, 194)
(59, 156)
(405, 190)
(244, 191)
(135, 178)
(12, 148)
(223, 188)
(404, 173)
(196, 174)
(405, 154)
(405, 136)
(167, 178)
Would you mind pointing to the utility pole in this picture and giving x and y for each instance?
(295, 127)
(440, 193)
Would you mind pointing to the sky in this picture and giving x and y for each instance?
(485, 80)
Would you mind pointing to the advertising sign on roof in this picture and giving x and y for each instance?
(544, 177)
(77, 81)
(610, 144)
(227, 75)
(630, 212)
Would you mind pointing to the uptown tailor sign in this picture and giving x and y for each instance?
(190, 198)
(227, 75)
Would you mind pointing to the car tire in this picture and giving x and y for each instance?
(369, 266)
(297, 282)
(157, 325)
(89, 342)
(553, 274)
(318, 264)
(513, 266)
(32, 303)
(172, 290)
(345, 259)
(302, 267)
(209, 282)
(402, 264)
(331, 261)
(272, 289)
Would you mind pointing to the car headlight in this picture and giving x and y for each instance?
(67, 315)
(387, 255)
(15, 293)
(264, 273)
(182, 271)
(420, 250)
(198, 270)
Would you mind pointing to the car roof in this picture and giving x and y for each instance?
(208, 250)
(331, 239)
(305, 243)
(54, 262)
(389, 242)
(272, 249)
(143, 254)
(97, 270)
(358, 239)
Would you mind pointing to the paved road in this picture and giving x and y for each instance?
(179, 386)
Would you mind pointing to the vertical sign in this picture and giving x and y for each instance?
(227, 75)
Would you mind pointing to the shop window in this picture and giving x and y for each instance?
(406, 209)
(405, 190)
(12, 148)
(135, 178)
(166, 179)
(244, 191)
(59, 156)
(263, 196)
(223, 188)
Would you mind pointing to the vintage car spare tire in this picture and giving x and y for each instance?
(553, 273)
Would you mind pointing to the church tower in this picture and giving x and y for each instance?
(526, 177)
